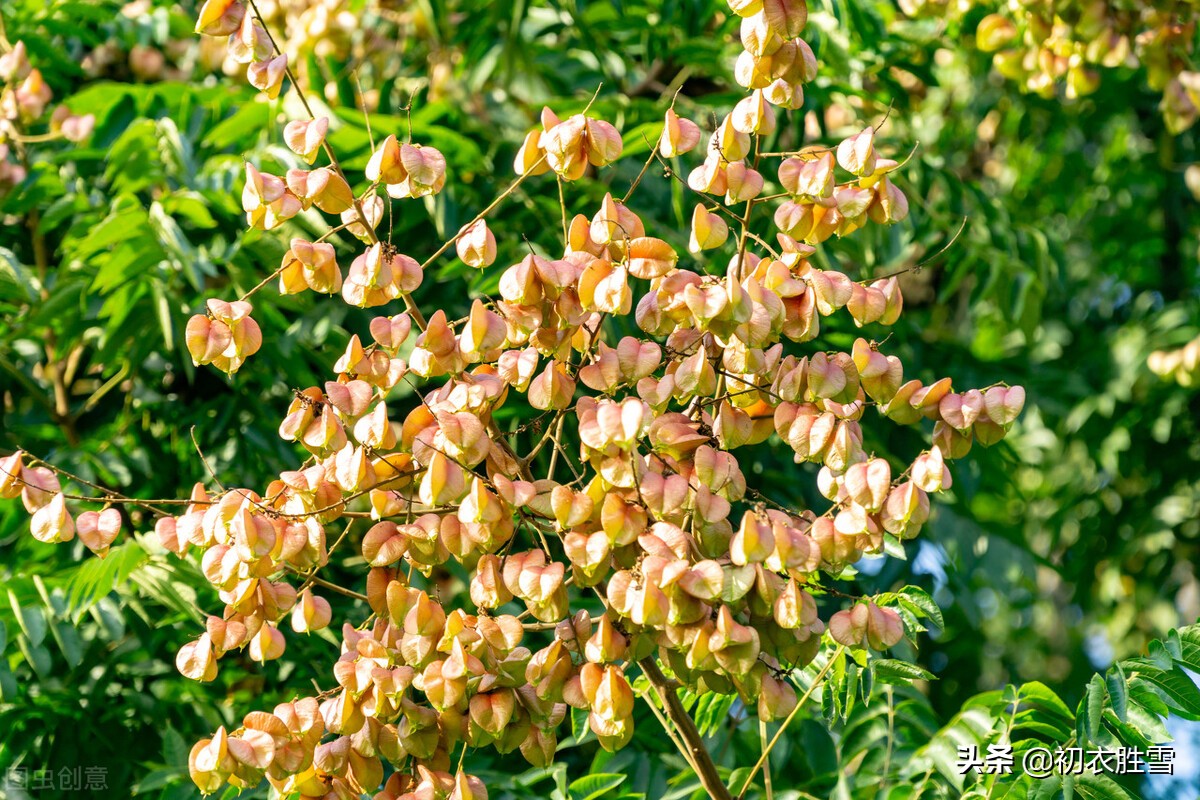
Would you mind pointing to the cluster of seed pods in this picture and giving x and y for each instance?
(24, 99)
(645, 546)
(1041, 45)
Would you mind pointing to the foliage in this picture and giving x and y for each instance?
(1089, 506)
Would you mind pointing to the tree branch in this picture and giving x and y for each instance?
(706, 770)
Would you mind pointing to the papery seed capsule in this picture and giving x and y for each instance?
(311, 613)
(857, 153)
(305, 137)
(385, 165)
(52, 523)
(603, 142)
(476, 245)
(267, 76)
(679, 135)
(742, 183)
(708, 230)
(424, 172)
(216, 18)
(98, 530)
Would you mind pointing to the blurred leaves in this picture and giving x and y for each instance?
(1065, 551)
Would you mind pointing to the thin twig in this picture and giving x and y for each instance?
(926, 262)
(762, 738)
(490, 208)
(207, 466)
(779, 733)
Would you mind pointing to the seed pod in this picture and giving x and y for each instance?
(808, 176)
(753, 542)
(708, 230)
(906, 510)
(196, 660)
(466, 787)
(776, 699)
(565, 147)
(606, 644)
(857, 153)
(52, 522)
(216, 18)
(424, 172)
(209, 762)
(929, 471)
(868, 483)
(603, 142)
(11, 480)
(679, 135)
(385, 165)
(994, 32)
(867, 625)
(531, 158)
(728, 142)
(785, 17)
(742, 183)
(267, 76)
(98, 530)
(710, 176)
(753, 114)
(305, 137)
(539, 747)
(311, 613)
(1004, 404)
(552, 388)
(476, 246)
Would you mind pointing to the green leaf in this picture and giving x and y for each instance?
(37, 656)
(1096, 695)
(1118, 691)
(919, 602)
(31, 619)
(15, 282)
(1129, 735)
(591, 787)
(1040, 695)
(579, 724)
(712, 712)
(1100, 787)
(642, 139)
(190, 206)
(1144, 718)
(134, 161)
(96, 577)
(8, 683)
(157, 779)
(890, 670)
(1181, 693)
(893, 547)
(175, 749)
(1189, 645)
(1038, 721)
(108, 614)
(242, 128)
(69, 642)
